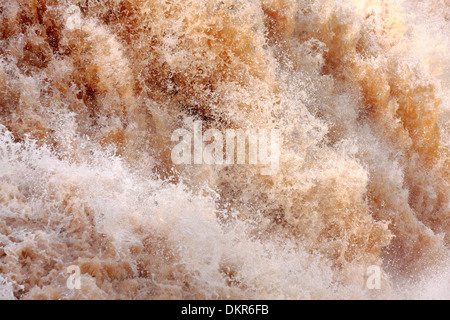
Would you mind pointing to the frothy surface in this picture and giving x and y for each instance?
(91, 91)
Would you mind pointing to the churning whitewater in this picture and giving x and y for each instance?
(91, 92)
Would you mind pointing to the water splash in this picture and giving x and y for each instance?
(91, 91)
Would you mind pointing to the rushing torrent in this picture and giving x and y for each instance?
(92, 90)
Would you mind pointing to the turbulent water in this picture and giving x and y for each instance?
(92, 90)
